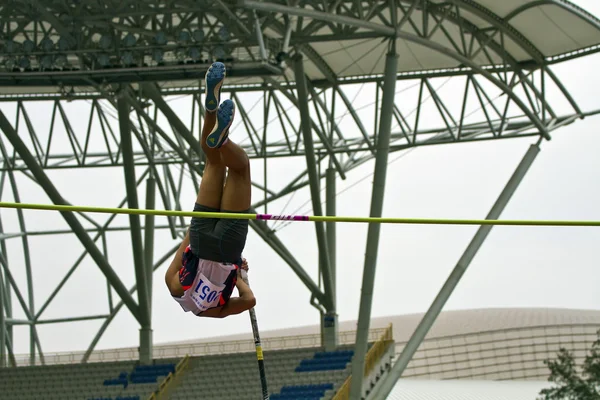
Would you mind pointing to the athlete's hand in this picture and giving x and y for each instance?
(245, 264)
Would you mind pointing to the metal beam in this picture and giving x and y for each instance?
(260, 39)
(502, 25)
(311, 166)
(153, 93)
(11, 354)
(310, 13)
(2, 323)
(354, 115)
(330, 209)
(151, 123)
(329, 320)
(136, 229)
(379, 177)
(100, 233)
(268, 235)
(392, 32)
(146, 334)
(572, 8)
(70, 319)
(387, 384)
(118, 307)
(54, 21)
(28, 271)
(149, 236)
(21, 300)
(326, 143)
(328, 116)
(69, 217)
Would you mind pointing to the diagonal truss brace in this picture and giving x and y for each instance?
(455, 276)
(69, 217)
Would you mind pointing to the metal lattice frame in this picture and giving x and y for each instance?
(267, 47)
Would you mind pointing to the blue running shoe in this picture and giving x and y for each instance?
(214, 80)
(221, 130)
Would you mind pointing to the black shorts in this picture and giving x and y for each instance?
(218, 239)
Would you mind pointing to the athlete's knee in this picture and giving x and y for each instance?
(241, 168)
(246, 163)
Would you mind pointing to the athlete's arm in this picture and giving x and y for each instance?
(237, 305)
(172, 274)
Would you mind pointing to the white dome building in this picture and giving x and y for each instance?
(479, 344)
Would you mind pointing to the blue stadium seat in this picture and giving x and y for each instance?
(326, 361)
(117, 382)
(302, 392)
(150, 373)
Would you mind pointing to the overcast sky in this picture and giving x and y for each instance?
(516, 267)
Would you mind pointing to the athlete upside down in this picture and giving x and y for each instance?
(209, 261)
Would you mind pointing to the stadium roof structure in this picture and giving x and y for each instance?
(64, 43)
(112, 64)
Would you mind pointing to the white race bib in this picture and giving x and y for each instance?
(205, 294)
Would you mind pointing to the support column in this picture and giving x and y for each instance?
(386, 386)
(379, 177)
(5, 306)
(8, 308)
(3, 334)
(136, 231)
(146, 334)
(149, 236)
(330, 319)
(49, 188)
(311, 166)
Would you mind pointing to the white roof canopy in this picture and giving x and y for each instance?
(486, 32)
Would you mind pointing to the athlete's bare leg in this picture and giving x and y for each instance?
(211, 186)
(237, 193)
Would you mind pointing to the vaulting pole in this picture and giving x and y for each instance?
(259, 352)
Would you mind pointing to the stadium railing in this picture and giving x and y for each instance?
(196, 349)
(164, 385)
(372, 358)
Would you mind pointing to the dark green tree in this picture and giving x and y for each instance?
(571, 382)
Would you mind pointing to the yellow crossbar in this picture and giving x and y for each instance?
(314, 218)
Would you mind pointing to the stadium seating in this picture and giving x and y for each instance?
(97, 381)
(305, 392)
(324, 361)
(308, 374)
(236, 376)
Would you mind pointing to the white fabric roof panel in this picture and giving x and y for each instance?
(554, 30)
(551, 29)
